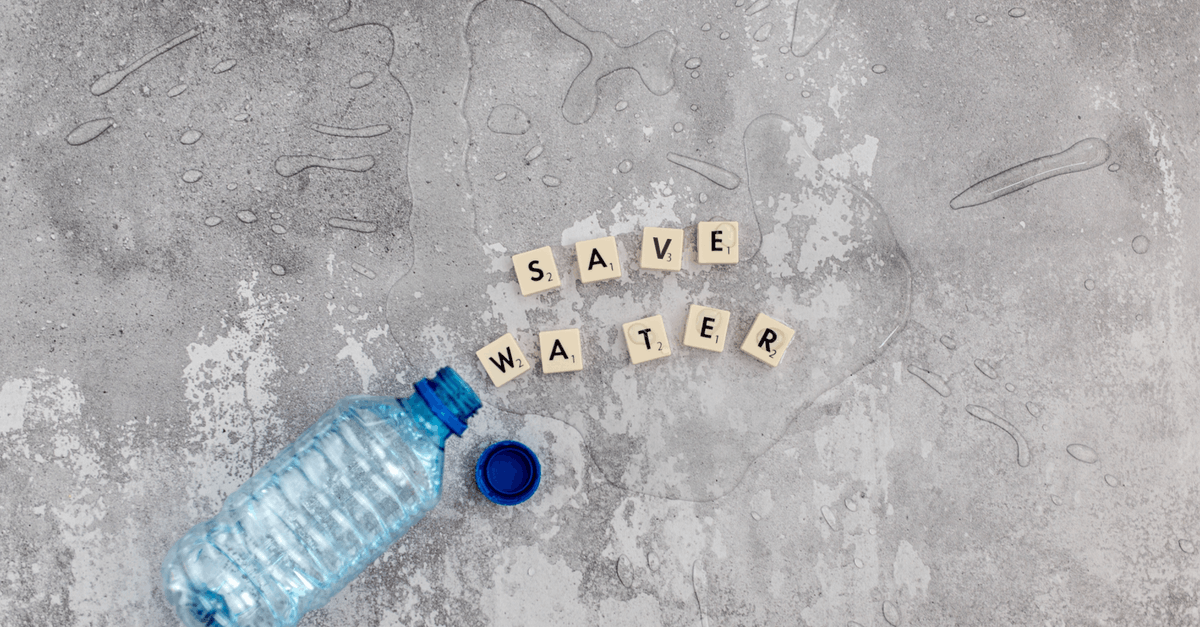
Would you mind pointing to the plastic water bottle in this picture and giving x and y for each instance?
(324, 509)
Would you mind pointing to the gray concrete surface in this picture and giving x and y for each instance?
(179, 306)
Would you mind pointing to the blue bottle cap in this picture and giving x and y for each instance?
(508, 473)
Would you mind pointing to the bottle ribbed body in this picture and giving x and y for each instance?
(311, 519)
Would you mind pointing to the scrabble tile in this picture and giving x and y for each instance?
(767, 340)
(646, 339)
(503, 360)
(717, 242)
(598, 259)
(662, 249)
(561, 351)
(536, 271)
(706, 328)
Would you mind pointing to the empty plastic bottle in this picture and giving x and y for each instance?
(327, 506)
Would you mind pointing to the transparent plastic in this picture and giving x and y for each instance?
(325, 508)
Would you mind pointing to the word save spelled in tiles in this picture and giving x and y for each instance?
(662, 249)
(717, 242)
(503, 360)
(598, 259)
(536, 271)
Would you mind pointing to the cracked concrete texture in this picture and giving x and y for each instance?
(153, 362)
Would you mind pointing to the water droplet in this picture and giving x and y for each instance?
(529, 572)
(738, 3)
(212, 221)
(533, 153)
(692, 63)
(805, 93)
(241, 117)
(707, 27)
(363, 270)
(278, 270)
(352, 225)
(932, 379)
(981, 18)
(191, 176)
(621, 104)
(1141, 244)
(362, 79)
(275, 215)
(1010, 387)
(88, 131)
(853, 624)
(352, 308)
(501, 176)
(1034, 409)
(176, 90)
(948, 342)
(1113, 167)
(988, 415)
(1084, 155)
(858, 563)
(829, 516)
(716, 174)
(755, 516)
(695, 107)
(872, 531)
(107, 82)
(291, 165)
(625, 166)
(1186, 546)
(695, 73)
(247, 216)
(986, 369)
(190, 137)
(1016, 12)
(1083, 453)
(703, 197)
(789, 76)
(758, 5)
(678, 128)
(891, 613)
(879, 68)
(851, 505)
(224, 66)
(551, 181)
(1111, 481)
(360, 132)
(763, 33)
(724, 35)
(508, 119)
(1089, 285)
(1054, 499)
(231, 186)
(278, 229)
(652, 561)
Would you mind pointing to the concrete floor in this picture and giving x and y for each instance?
(180, 305)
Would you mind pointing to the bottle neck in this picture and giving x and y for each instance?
(426, 420)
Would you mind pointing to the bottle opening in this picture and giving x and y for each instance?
(449, 398)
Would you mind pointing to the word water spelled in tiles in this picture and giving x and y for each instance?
(561, 350)
(503, 360)
(706, 328)
(767, 340)
(646, 339)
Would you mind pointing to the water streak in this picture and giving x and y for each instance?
(1084, 155)
(716, 174)
(107, 82)
(987, 415)
(291, 165)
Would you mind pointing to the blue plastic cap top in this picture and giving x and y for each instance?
(508, 473)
